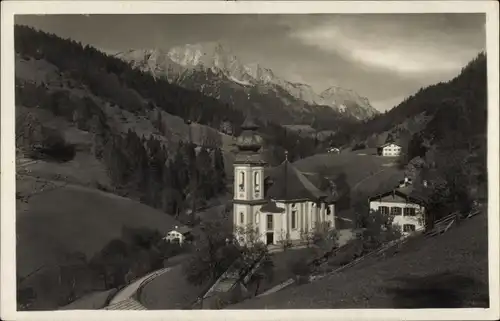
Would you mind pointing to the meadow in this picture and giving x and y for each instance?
(446, 271)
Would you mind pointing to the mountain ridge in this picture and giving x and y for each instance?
(220, 60)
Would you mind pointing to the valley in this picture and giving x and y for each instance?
(115, 152)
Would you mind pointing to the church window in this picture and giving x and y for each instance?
(242, 181)
(257, 182)
(242, 217)
(270, 221)
(294, 219)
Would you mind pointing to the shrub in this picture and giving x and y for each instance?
(300, 268)
(53, 147)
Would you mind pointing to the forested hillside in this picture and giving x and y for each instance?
(139, 92)
(442, 130)
(151, 168)
(411, 115)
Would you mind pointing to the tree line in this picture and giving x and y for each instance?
(139, 167)
(139, 92)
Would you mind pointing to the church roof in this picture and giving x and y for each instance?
(288, 183)
(271, 207)
(249, 123)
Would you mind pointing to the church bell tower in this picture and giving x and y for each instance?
(248, 178)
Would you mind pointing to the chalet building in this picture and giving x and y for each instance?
(279, 203)
(404, 204)
(389, 149)
(178, 235)
(334, 150)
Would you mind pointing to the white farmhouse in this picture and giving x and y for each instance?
(406, 206)
(281, 206)
(389, 149)
(178, 235)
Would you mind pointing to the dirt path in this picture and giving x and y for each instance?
(128, 291)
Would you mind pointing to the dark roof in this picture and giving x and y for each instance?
(389, 143)
(182, 229)
(407, 191)
(288, 183)
(249, 123)
(271, 207)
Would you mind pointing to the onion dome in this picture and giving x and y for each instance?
(249, 140)
(249, 144)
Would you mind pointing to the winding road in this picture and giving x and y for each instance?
(128, 291)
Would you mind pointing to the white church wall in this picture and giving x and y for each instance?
(257, 183)
(242, 190)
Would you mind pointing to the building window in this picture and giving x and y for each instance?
(294, 219)
(409, 212)
(257, 182)
(408, 228)
(270, 221)
(256, 217)
(242, 181)
(384, 210)
(328, 211)
(396, 211)
(242, 218)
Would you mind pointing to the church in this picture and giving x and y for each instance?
(280, 204)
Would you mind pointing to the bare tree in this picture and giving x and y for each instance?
(324, 236)
(307, 236)
(285, 241)
(214, 253)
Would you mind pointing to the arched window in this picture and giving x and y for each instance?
(257, 217)
(242, 181)
(257, 182)
(242, 217)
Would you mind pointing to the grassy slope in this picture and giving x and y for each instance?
(93, 301)
(366, 174)
(64, 219)
(170, 291)
(74, 218)
(71, 218)
(39, 71)
(447, 271)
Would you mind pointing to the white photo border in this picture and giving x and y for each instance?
(8, 217)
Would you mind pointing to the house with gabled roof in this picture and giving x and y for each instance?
(282, 203)
(404, 204)
(179, 234)
(390, 149)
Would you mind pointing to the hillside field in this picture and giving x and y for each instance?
(64, 219)
(447, 271)
(357, 174)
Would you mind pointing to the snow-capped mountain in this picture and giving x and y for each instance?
(348, 99)
(219, 66)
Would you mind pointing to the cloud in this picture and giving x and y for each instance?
(384, 57)
(395, 49)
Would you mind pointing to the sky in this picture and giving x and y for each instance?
(384, 57)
